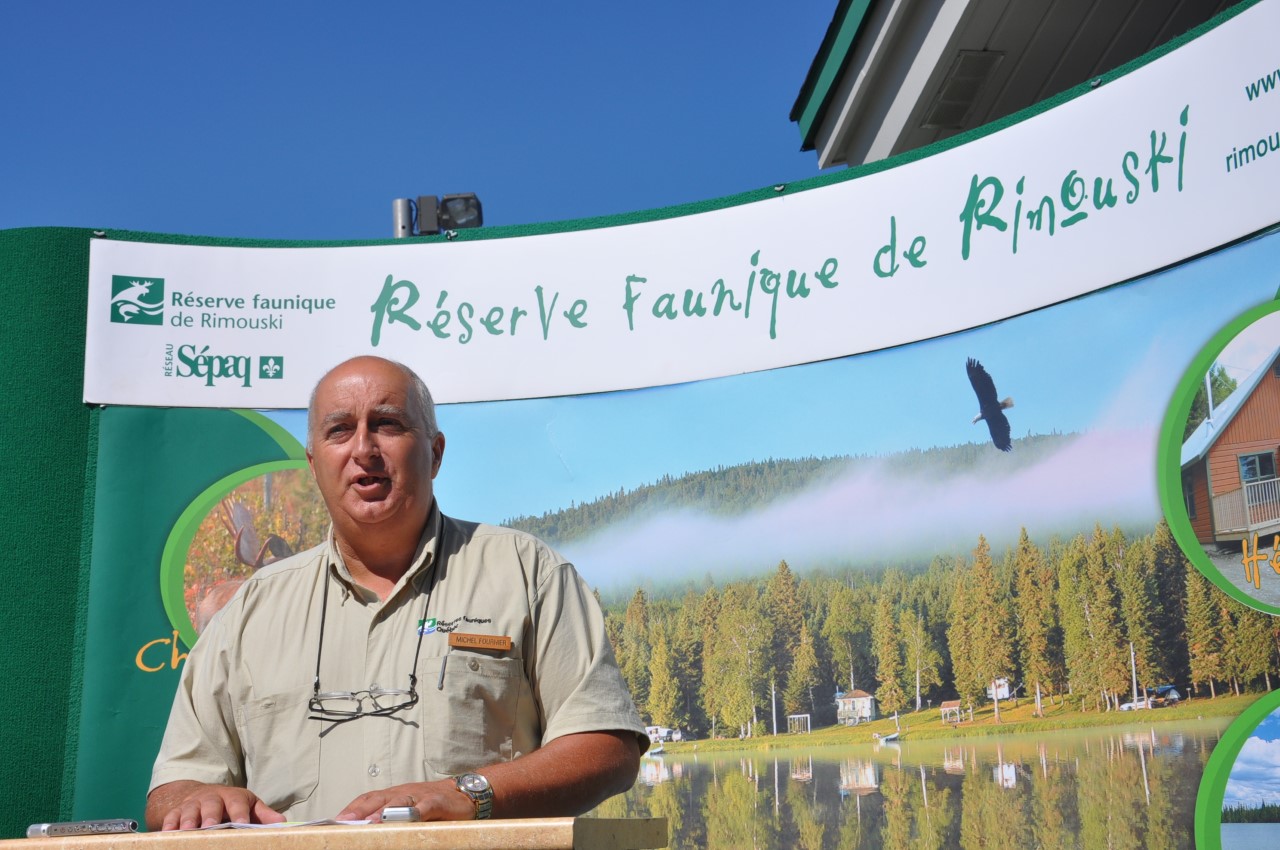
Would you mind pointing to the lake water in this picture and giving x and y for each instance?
(1250, 836)
(1118, 788)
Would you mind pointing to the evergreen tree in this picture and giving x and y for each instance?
(708, 615)
(1203, 635)
(686, 663)
(1064, 615)
(1097, 653)
(612, 628)
(736, 671)
(1138, 604)
(967, 678)
(664, 692)
(930, 597)
(1039, 636)
(1223, 385)
(1168, 566)
(633, 652)
(1275, 649)
(923, 662)
(846, 631)
(1083, 676)
(983, 628)
(814, 603)
(1102, 618)
(782, 607)
(1248, 652)
(888, 652)
(798, 697)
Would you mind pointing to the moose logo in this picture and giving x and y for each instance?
(137, 300)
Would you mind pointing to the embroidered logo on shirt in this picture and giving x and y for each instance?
(427, 626)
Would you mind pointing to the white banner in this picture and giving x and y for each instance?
(1174, 159)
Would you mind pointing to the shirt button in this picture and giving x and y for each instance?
(474, 665)
(373, 770)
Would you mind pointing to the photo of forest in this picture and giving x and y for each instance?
(1055, 618)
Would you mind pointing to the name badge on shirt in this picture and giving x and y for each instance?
(473, 641)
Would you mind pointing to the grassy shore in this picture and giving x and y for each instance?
(1014, 720)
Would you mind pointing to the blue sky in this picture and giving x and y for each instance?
(1255, 776)
(1251, 348)
(304, 120)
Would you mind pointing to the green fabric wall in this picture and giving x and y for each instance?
(46, 451)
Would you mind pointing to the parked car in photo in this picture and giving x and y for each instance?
(659, 734)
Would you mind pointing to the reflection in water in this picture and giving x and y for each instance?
(859, 776)
(1116, 789)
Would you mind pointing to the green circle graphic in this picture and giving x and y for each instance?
(174, 560)
(1169, 455)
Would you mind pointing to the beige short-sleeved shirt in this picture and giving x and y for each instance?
(241, 715)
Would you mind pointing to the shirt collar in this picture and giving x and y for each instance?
(423, 557)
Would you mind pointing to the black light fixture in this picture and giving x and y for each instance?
(433, 214)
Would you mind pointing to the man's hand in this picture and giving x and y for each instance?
(439, 800)
(191, 805)
(566, 777)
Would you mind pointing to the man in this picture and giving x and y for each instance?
(411, 660)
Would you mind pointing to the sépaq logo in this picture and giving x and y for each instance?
(200, 363)
(137, 300)
(270, 367)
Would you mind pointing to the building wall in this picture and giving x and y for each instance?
(1256, 428)
(1197, 483)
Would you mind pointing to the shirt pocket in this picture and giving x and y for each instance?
(472, 711)
(282, 748)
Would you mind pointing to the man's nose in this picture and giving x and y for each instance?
(366, 444)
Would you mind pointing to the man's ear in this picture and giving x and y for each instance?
(437, 453)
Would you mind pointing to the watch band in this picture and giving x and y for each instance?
(478, 789)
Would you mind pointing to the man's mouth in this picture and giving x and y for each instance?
(371, 480)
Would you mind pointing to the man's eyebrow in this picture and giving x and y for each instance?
(335, 416)
(391, 410)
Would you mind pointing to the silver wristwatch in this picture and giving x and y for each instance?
(478, 789)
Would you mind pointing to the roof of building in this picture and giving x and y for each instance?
(854, 694)
(897, 75)
(1208, 431)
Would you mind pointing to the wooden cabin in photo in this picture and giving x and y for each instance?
(855, 707)
(1229, 463)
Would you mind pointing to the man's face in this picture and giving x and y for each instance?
(372, 459)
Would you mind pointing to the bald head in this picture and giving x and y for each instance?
(421, 405)
(374, 451)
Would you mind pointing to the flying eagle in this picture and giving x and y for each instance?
(989, 408)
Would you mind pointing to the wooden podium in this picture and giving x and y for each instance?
(527, 834)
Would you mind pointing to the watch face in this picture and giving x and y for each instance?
(474, 782)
